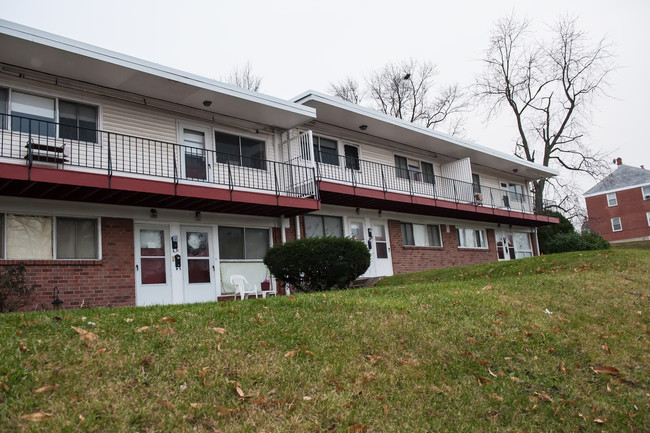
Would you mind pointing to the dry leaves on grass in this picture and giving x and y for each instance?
(168, 320)
(166, 404)
(605, 370)
(23, 348)
(85, 335)
(143, 329)
(47, 388)
(290, 354)
(221, 331)
(4, 386)
(100, 351)
(37, 416)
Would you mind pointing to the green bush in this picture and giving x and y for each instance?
(545, 234)
(566, 242)
(14, 293)
(317, 264)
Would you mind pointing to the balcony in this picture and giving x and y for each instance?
(355, 182)
(107, 167)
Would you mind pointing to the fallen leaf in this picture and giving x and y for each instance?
(168, 320)
(563, 368)
(436, 389)
(490, 287)
(23, 347)
(100, 351)
(372, 358)
(472, 340)
(182, 387)
(128, 320)
(166, 404)
(168, 331)
(309, 352)
(4, 386)
(239, 391)
(361, 427)
(606, 370)
(197, 405)
(492, 374)
(37, 416)
(113, 314)
(496, 397)
(410, 363)
(219, 331)
(515, 379)
(180, 372)
(264, 343)
(607, 349)
(483, 380)
(47, 388)
(144, 328)
(385, 410)
(306, 398)
(85, 335)
(501, 312)
(545, 396)
(600, 421)
(290, 354)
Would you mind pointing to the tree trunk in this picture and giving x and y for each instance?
(538, 189)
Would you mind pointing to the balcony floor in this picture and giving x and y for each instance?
(51, 183)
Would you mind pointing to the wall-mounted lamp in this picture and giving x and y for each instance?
(510, 226)
(154, 213)
(363, 127)
(56, 304)
(357, 210)
(197, 216)
(514, 170)
(379, 212)
(207, 103)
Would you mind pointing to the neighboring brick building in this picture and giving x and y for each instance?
(618, 207)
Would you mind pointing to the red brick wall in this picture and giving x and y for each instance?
(411, 259)
(631, 209)
(106, 282)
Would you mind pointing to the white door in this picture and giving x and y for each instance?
(358, 232)
(198, 265)
(380, 251)
(505, 246)
(152, 263)
(193, 155)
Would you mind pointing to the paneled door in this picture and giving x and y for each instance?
(380, 250)
(152, 263)
(198, 265)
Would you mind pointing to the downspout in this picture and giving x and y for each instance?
(539, 252)
(297, 227)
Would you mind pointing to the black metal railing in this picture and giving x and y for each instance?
(417, 183)
(37, 140)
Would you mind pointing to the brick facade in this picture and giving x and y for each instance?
(106, 282)
(412, 259)
(631, 209)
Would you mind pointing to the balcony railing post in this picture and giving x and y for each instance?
(175, 163)
(275, 176)
(109, 158)
(455, 192)
(383, 178)
(230, 183)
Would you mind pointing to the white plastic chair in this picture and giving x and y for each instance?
(242, 287)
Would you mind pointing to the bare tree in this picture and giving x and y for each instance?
(549, 87)
(244, 78)
(405, 90)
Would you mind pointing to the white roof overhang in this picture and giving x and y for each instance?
(29, 48)
(335, 111)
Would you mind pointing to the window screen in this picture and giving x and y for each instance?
(76, 238)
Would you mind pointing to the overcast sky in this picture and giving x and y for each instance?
(299, 45)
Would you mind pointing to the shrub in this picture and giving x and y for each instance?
(565, 242)
(14, 293)
(546, 234)
(316, 264)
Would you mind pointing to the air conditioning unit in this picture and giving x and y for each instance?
(478, 196)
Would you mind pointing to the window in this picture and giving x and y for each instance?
(612, 200)
(241, 151)
(471, 238)
(513, 194)
(401, 167)
(4, 97)
(414, 170)
(476, 183)
(351, 157)
(646, 192)
(523, 247)
(46, 237)
(326, 151)
(421, 235)
(237, 243)
(616, 224)
(647, 215)
(194, 150)
(77, 121)
(321, 225)
(32, 114)
(427, 173)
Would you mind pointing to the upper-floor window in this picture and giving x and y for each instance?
(513, 194)
(351, 156)
(471, 238)
(323, 225)
(645, 191)
(36, 237)
(611, 199)
(242, 151)
(616, 224)
(476, 183)
(37, 115)
(421, 235)
(326, 150)
(418, 171)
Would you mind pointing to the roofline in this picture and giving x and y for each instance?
(312, 95)
(609, 191)
(70, 45)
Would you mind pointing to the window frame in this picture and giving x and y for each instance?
(316, 148)
(352, 162)
(483, 236)
(647, 215)
(609, 197)
(77, 127)
(414, 170)
(228, 160)
(322, 218)
(245, 258)
(620, 224)
(54, 235)
(645, 192)
(409, 234)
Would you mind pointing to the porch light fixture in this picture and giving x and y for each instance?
(197, 216)
(357, 211)
(154, 213)
(379, 212)
(56, 304)
(514, 170)
(207, 103)
(363, 127)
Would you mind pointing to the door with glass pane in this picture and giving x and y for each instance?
(380, 251)
(152, 264)
(193, 155)
(505, 246)
(198, 265)
(358, 232)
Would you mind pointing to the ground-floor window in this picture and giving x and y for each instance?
(471, 238)
(523, 246)
(241, 250)
(33, 237)
(421, 235)
(321, 225)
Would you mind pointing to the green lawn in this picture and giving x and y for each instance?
(465, 349)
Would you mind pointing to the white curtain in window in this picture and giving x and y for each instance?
(29, 237)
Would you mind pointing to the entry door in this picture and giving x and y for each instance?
(194, 155)
(506, 247)
(381, 250)
(198, 265)
(152, 262)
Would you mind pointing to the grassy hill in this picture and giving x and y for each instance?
(553, 343)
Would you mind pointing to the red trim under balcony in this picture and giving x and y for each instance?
(57, 184)
(361, 197)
